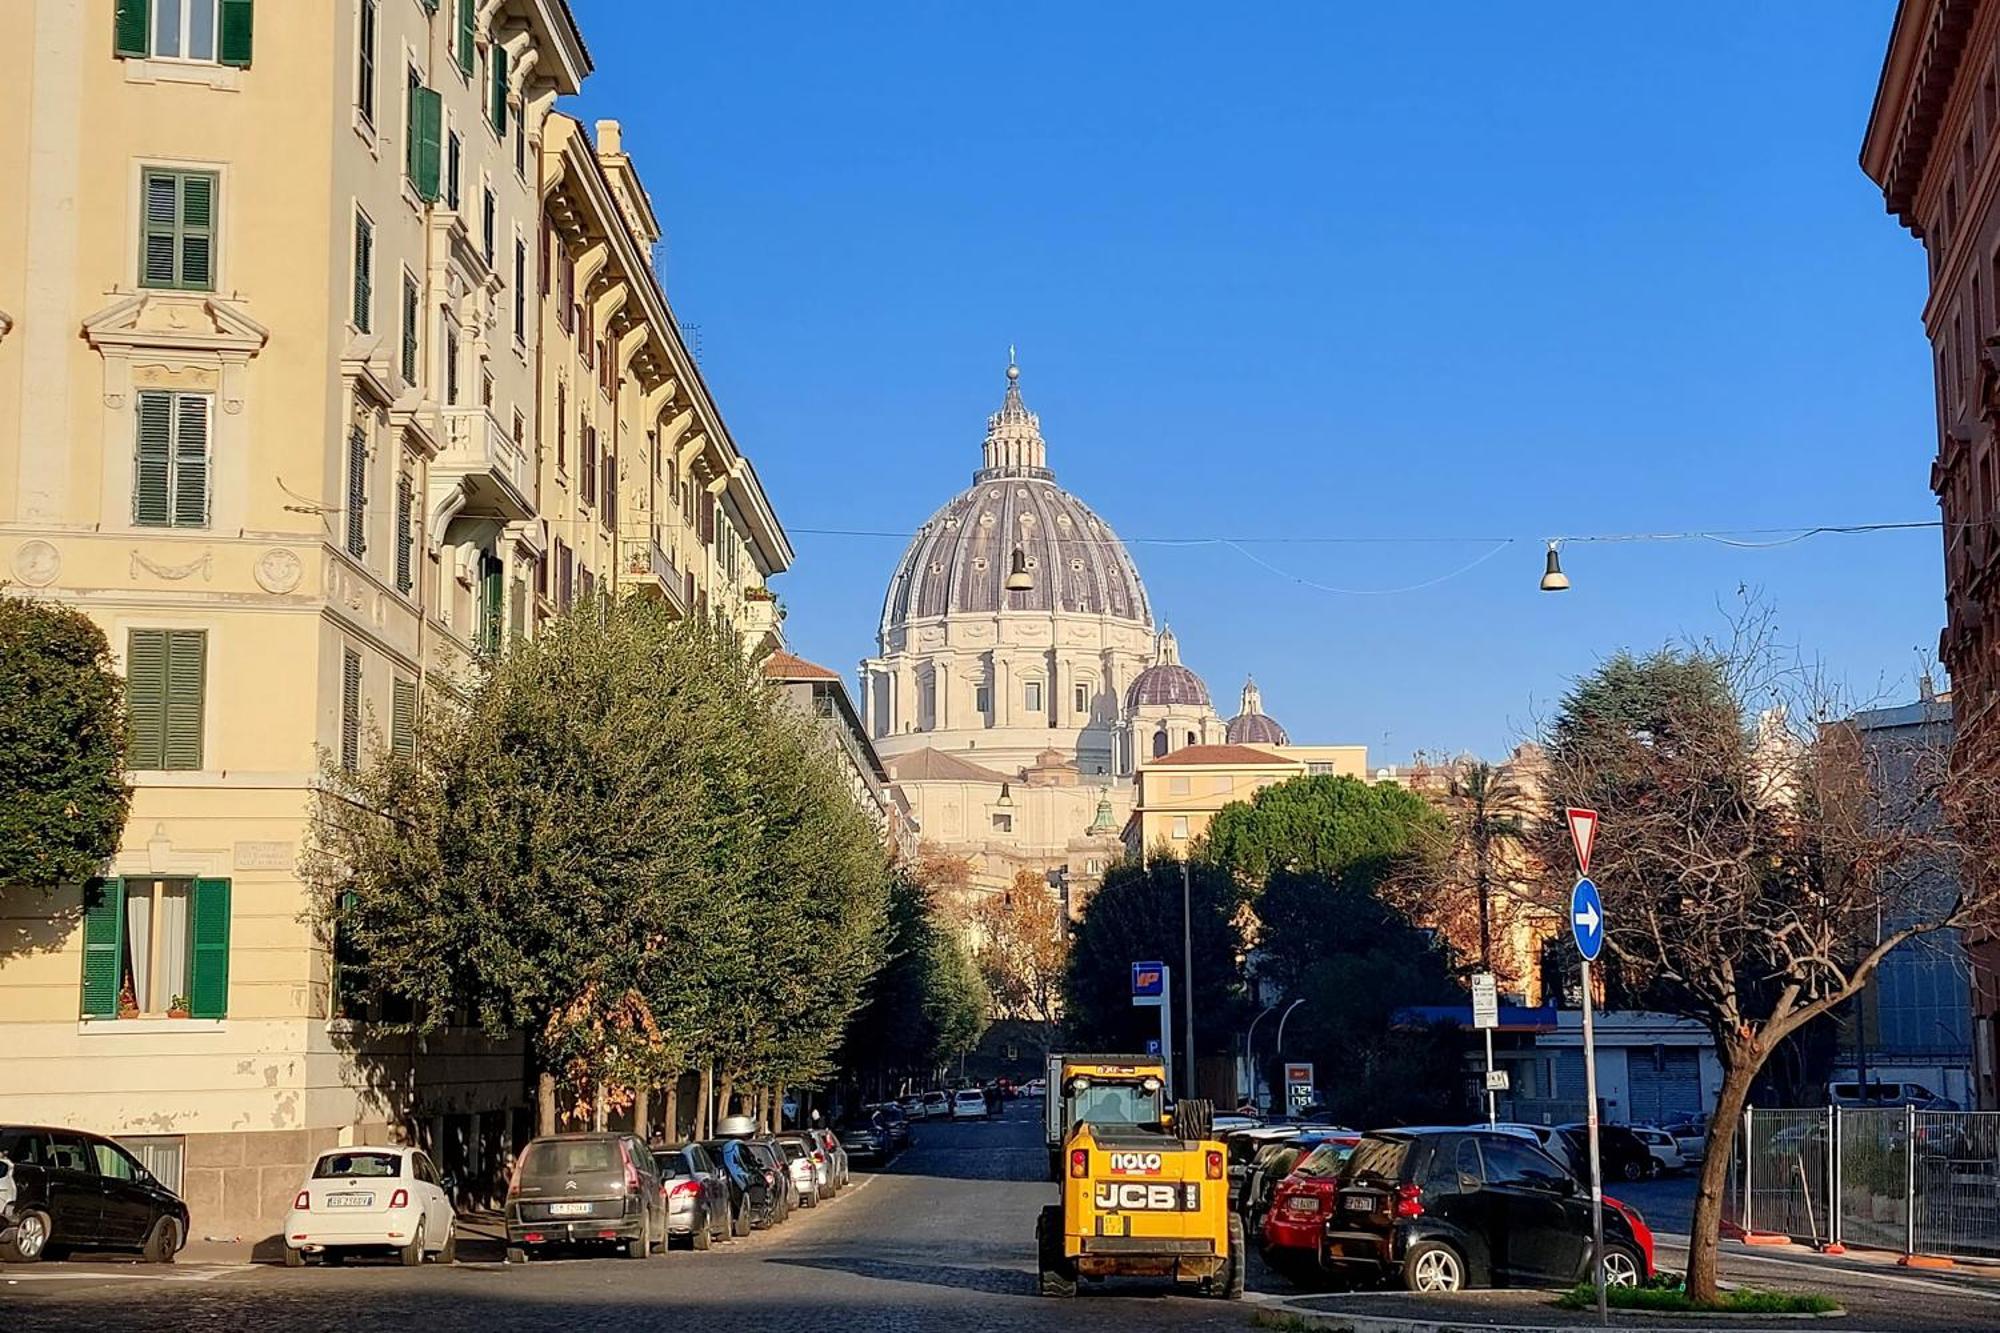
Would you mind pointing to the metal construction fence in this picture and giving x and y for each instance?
(1919, 1182)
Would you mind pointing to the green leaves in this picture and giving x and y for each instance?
(63, 796)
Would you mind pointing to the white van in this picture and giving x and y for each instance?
(1886, 1093)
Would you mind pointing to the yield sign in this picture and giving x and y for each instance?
(1582, 835)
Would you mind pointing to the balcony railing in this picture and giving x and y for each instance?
(650, 565)
(479, 452)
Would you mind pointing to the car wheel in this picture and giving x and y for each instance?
(449, 1254)
(1057, 1277)
(30, 1242)
(739, 1221)
(701, 1237)
(641, 1245)
(294, 1258)
(163, 1242)
(1433, 1266)
(1230, 1288)
(413, 1254)
(1621, 1267)
(516, 1255)
(1633, 1169)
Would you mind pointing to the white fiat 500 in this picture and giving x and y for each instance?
(360, 1199)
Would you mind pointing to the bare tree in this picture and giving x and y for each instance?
(1023, 952)
(1759, 856)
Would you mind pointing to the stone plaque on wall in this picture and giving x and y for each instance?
(264, 856)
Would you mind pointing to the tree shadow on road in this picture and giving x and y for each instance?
(990, 1281)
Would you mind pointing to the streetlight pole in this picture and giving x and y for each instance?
(1278, 1052)
(1250, 1049)
(1187, 975)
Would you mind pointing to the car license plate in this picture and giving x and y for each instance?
(1357, 1204)
(569, 1210)
(350, 1201)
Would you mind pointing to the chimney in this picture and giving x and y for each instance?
(610, 138)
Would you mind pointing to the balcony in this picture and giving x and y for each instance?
(648, 566)
(758, 622)
(481, 459)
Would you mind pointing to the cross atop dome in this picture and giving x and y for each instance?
(1014, 446)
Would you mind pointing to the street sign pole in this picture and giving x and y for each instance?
(1153, 984)
(1492, 1096)
(1486, 1017)
(1587, 925)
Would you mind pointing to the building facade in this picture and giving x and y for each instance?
(274, 412)
(1933, 145)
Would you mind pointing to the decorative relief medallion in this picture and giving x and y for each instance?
(36, 563)
(202, 564)
(278, 570)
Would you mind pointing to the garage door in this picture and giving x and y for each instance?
(1666, 1084)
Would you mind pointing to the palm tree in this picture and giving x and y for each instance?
(1490, 811)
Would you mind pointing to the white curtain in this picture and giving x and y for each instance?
(174, 945)
(139, 942)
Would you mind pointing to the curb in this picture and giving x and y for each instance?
(1369, 1323)
(1925, 1261)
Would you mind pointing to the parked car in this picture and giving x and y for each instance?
(836, 1157)
(936, 1105)
(897, 1123)
(777, 1172)
(968, 1104)
(389, 1200)
(1441, 1209)
(585, 1189)
(1691, 1137)
(1665, 1148)
(1290, 1230)
(1275, 1161)
(64, 1188)
(753, 1196)
(913, 1106)
(867, 1138)
(697, 1194)
(1886, 1093)
(1622, 1154)
(1035, 1087)
(808, 1178)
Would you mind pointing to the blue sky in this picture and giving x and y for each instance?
(1317, 270)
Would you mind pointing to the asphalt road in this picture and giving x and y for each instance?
(943, 1239)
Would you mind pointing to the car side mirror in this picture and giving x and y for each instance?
(449, 1184)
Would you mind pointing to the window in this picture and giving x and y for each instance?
(161, 1157)
(454, 168)
(1319, 770)
(610, 491)
(1180, 826)
(164, 690)
(403, 718)
(562, 427)
(586, 583)
(423, 124)
(1224, 784)
(1034, 696)
(1160, 743)
(1177, 786)
(1083, 698)
(177, 237)
(982, 699)
(520, 292)
(521, 146)
(450, 364)
(350, 709)
(467, 33)
(197, 31)
(170, 463)
(565, 286)
(587, 446)
(405, 534)
(412, 312)
(492, 603)
(1003, 823)
(565, 576)
(364, 272)
(497, 62)
(364, 63)
(488, 221)
(357, 492)
(155, 947)
(1520, 1165)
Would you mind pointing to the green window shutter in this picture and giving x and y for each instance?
(103, 946)
(187, 672)
(427, 115)
(350, 709)
(405, 504)
(152, 460)
(364, 272)
(146, 696)
(403, 718)
(234, 46)
(467, 12)
(412, 303)
(492, 591)
(197, 248)
(131, 28)
(208, 976)
(159, 245)
(500, 90)
(357, 492)
(190, 460)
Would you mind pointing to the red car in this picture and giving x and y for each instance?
(1301, 1205)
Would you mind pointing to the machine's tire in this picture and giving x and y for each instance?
(702, 1236)
(163, 1242)
(294, 1258)
(31, 1240)
(411, 1255)
(1230, 1288)
(1194, 1119)
(1433, 1266)
(739, 1221)
(1057, 1277)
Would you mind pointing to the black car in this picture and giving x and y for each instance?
(64, 1189)
(1447, 1208)
(1622, 1154)
(897, 1123)
(867, 1138)
(769, 1159)
(753, 1196)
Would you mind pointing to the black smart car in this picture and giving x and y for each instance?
(63, 1189)
(1442, 1209)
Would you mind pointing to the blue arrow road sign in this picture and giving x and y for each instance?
(1586, 919)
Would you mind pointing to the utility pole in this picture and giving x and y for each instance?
(1187, 977)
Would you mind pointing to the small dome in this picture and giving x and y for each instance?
(1251, 725)
(1167, 683)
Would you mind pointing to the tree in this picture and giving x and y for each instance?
(63, 798)
(1135, 916)
(924, 1007)
(1755, 868)
(1023, 952)
(1319, 825)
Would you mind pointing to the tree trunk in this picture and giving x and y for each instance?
(639, 1109)
(545, 1104)
(702, 1127)
(670, 1110)
(725, 1101)
(600, 1110)
(1705, 1232)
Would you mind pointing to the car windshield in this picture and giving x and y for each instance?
(1116, 1104)
(1376, 1159)
(1325, 1160)
(793, 1149)
(384, 1165)
(569, 1157)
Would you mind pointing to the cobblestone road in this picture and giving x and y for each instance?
(943, 1240)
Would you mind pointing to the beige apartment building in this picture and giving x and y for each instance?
(1179, 793)
(275, 410)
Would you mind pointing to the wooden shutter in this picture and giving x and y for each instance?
(426, 133)
(233, 48)
(404, 505)
(467, 12)
(103, 946)
(357, 492)
(132, 27)
(412, 309)
(197, 230)
(186, 688)
(146, 696)
(500, 90)
(364, 271)
(190, 460)
(492, 593)
(208, 980)
(152, 461)
(403, 718)
(350, 709)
